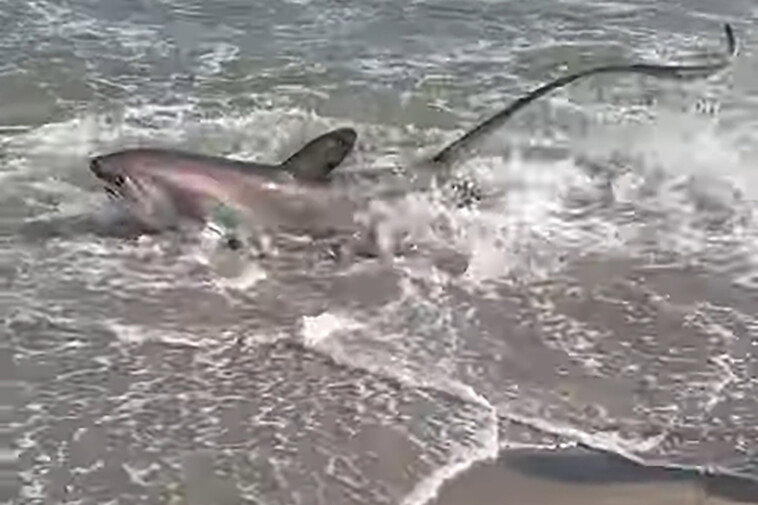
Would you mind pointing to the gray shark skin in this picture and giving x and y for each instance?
(163, 187)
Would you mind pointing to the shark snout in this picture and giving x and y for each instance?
(98, 167)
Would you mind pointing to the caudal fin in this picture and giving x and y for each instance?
(321, 155)
(682, 72)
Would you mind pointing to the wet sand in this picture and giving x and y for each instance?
(584, 477)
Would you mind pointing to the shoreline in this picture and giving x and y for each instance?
(581, 476)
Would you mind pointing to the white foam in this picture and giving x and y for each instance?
(133, 334)
(322, 333)
(249, 276)
(317, 329)
(329, 332)
(606, 441)
(212, 62)
(462, 459)
(516, 231)
(141, 476)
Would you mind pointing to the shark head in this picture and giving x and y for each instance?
(128, 182)
(110, 173)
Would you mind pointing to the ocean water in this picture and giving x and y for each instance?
(605, 293)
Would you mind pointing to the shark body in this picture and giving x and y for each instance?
(161, 188)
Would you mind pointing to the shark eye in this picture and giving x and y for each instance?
(234, 243)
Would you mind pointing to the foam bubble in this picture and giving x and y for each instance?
(317, 329)
(133, 334)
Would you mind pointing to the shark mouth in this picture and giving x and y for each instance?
(146, 204)
(130, 191)
(119, 188)
(116, 185)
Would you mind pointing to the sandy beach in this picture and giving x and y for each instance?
(579, 476)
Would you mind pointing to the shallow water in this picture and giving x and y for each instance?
(605, 293)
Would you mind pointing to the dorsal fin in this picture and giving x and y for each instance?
(321, 155)
(661, 71)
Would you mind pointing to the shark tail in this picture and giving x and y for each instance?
(681, 72)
